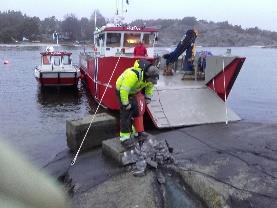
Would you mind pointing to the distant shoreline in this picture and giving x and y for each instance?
(30, 44)
(273, 46)
(17, 45)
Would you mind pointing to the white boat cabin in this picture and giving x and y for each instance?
(56, 60)
(111, 40)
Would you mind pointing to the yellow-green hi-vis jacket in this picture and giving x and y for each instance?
(131, 81)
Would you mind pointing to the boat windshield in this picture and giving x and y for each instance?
(148, 39)
(46, 60)
(113, 40)
(56, 60)
(131, 39)
(66, 60)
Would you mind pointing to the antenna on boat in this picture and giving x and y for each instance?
(122, 8)
(95, 18)
(120, 16)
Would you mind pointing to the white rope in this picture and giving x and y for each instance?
(93, 117)
(225, 97)
(213, 82)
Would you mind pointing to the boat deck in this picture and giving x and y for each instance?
(175, 82)
(178, 102)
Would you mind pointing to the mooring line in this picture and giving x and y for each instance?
(93, 117)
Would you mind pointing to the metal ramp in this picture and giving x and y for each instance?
(187, 105)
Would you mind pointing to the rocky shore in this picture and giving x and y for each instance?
(221, 166)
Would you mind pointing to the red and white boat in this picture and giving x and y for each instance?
(175, 102)
(114, 48)
(56, 69)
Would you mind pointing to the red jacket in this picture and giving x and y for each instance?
(140, 50)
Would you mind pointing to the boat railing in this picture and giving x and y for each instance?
(126, 54)
(90, 54)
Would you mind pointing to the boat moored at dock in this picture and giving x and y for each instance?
(56, 69)
(175, 102)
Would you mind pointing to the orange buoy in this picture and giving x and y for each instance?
(6, 62)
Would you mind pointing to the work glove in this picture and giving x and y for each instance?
(147, 101)
(127, 107)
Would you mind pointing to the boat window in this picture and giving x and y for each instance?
(148, 39)
(46, 60)
(100, 39)
(56, 60)
(66, 60)
(113, 40)
(131, 39)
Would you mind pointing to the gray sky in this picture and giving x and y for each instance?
(247, 13)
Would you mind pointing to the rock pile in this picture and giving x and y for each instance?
(151, 153)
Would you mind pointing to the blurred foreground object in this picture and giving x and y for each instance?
(23, 185)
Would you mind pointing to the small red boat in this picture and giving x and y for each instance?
(56, 69)
(175, 102)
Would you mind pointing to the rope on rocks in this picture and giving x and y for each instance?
(93, 117)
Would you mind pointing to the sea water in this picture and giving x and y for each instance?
(33, 120)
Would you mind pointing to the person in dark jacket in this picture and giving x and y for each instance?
(186, 44)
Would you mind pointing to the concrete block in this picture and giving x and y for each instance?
(113, 149)
(103, 127)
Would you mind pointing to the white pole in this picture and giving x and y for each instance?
(213, 82)
(225, 96)
(95, 19)
(94, 27)
(121, 7)
(117, 7)
(213, 85)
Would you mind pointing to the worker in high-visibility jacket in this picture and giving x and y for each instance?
(141, 77)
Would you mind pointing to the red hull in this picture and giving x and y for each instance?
(97, 73)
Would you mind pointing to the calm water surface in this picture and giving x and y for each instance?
(33, 121)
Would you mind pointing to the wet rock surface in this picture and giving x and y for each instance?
(123, 190)
(176, 193)
(151, 153)
(91, 168)
(227, 166)
(237, 161)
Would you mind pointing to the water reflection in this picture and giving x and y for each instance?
(58, 96)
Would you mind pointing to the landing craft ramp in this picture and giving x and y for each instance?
(177, 102)
(188, 106)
